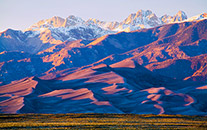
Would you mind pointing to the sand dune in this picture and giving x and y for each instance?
(103, 89)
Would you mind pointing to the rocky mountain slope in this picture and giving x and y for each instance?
(55, 30)
(175, 47)
(159, 70)
(165, 44)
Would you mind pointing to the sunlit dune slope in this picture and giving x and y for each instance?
(105, 89)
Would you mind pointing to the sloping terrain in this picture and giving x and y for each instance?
(105, 89)
(166, 49)
(55, 30)
(182, 45)
(160, 70)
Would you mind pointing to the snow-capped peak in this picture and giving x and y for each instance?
(143, 13)
(55, 21)
(140, 19)
(198, 17)
(72, 21)
(93, 21)
(180, 16)
(166, 19)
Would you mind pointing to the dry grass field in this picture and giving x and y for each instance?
(101, 121)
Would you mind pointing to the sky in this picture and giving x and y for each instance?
(21, 14)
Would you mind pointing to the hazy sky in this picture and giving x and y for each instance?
(20, 14)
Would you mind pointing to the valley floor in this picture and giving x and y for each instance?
(101, 121)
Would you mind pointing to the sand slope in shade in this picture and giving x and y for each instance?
(105, 89)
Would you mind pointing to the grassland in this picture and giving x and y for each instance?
(101, 121)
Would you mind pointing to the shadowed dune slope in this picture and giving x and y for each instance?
(105, 89)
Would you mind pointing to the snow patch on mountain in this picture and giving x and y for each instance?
(139, 20)
(56, 30)
(198, 17)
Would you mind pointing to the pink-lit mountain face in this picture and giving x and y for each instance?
(71, 65)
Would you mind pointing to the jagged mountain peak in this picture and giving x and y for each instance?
(166, 19)
(180, 16)
(56, 22)
(181, 13)
(103, 24)
(94, 21)
(73, 20)
(72, 17)
(11, 34)
(56, 29)
(140, 19)
(97, 22)
(8, 31)
(203, 15)
(198, 17)
(55, 18)
(143, 12)
(140, 13)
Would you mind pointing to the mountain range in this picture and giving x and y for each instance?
(55, 30)
(142, 65)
